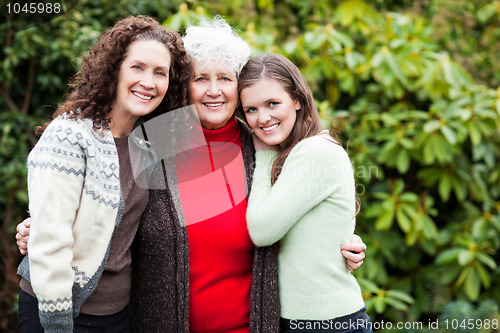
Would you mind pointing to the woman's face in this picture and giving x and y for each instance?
(143, 79)
(269, 110)
(214, 92)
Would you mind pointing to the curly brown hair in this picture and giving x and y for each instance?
(94, 85)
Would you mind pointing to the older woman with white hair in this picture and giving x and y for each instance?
(195, 266)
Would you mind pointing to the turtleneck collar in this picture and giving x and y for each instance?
(223, 134)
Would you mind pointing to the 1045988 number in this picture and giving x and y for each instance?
(34, 8)
(471, 324)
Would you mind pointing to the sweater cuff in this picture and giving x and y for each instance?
(56, 317)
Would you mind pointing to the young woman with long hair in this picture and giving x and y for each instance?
(303, 196)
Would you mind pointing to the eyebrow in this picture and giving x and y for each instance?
(143, 63)
(226, 74)
(218, 74)
(272, 99)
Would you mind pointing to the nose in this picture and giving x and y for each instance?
(213, 89)
(147, 83)
(264, 117)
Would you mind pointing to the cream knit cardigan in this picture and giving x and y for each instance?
(75, 203)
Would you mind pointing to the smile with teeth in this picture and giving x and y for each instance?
(213, 105)
(270, 128)
(141, 95)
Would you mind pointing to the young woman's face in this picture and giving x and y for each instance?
(270, 111)
(214, 92)
(143, 79)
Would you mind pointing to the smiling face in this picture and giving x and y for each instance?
(269, 110)
(142, 81)
(214, 92)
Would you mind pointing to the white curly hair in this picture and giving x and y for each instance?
(216, 40)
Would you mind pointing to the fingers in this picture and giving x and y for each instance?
(352, 266)
(356, 239)
(355, 257)
(22, 236)
(358, 248)
(355, 245)
(23, 227)
(354, 260)
(354, 252)
(22, 243)
(23, 247)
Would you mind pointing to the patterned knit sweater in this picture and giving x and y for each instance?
(75, 203)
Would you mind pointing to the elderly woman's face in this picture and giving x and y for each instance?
(214, 92)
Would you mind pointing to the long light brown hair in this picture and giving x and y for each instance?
(279, 68)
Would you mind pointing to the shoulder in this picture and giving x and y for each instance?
(66, 126)
(83, 126)
(320, 147)
(324, 156)
(75, 132)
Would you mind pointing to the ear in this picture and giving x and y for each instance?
(297, 106)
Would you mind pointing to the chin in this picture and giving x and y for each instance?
(271, 142)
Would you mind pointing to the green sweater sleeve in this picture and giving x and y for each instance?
(311, 173)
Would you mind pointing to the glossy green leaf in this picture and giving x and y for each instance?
(403, 221)
(465, 257)
(448, 256)
(475, 135)
(472, 285)
(449, 134)
(445, 187)
(487, 260)
(384, 222)
(483, 275)
(403, 161)
(380, 304)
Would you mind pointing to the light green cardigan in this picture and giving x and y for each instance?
(311, 211)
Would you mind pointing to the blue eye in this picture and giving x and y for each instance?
(160, 73)
(250, 110)
(136, 67)
(272, 104)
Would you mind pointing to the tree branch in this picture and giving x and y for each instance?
(8, 99)
(29, 91)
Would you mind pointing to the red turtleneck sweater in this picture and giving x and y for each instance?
(211, 181)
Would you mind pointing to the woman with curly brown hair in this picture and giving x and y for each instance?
(84, 202)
